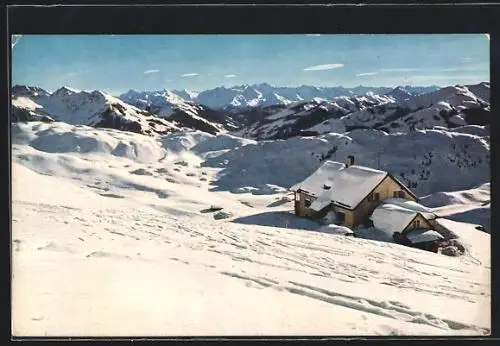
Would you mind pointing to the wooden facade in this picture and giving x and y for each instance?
(421, 222)
(418, 222)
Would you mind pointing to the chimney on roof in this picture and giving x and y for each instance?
(349, 161)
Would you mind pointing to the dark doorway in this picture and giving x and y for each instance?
(339, 217)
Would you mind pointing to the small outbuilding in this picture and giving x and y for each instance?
(409, 223)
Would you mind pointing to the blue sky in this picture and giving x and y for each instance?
(117, 63)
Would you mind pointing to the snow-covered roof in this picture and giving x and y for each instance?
(316, 180)
(347, 186)
(322, 201)
(421, 235)
(392, 218)
(411, 205)
(394, 214)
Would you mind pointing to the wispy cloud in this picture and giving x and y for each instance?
(323, 67)
(443, 78)
(230, 76)
(189, 74)
(313, 35)
(463, 68)
(151, 71)
(366, 74)
(399, 69)
(451, 69)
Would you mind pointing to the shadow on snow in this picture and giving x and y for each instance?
(278, 219)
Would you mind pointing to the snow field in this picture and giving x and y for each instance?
(98, 236)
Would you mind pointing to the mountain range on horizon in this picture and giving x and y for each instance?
(263, 94)
(259, 111)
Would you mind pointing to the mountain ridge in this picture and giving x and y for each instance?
(253, 114)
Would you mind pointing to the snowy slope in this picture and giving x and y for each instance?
(241, 97)
(120, 221)
(400, 94)
(261, 111)
(186, 94)
(199, 117)
(238, 98)
(186, 114)
(28, 91)
(473, 239)
(317, 116)
(471, 205)
(478, 215)
(396, 111)
(448, 107)
(423, 160)
(94, 108)
(24, 109)
(481, 90)
(478, 195)
(163, 102)
(159, 112)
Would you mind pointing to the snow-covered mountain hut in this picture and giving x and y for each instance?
(349, 191)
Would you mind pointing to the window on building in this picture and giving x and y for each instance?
(416, 224)
(307, 202)
(398, 194)
(339, 217)
(374, 196)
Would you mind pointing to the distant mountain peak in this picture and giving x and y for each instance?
(64, 91)
(264, 84)
(27, 90)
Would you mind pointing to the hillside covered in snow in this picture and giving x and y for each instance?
(262, 95)
(423, 160)
(76, 107)
(175, 228)
(396, 111)
(159, 114)
(250, 111)
(166, 104)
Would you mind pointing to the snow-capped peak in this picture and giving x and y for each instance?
(399, 94)
(63, 91)
(172, 97)
(187, 94)
(28, 91)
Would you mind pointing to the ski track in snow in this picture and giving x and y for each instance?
(263, 249)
